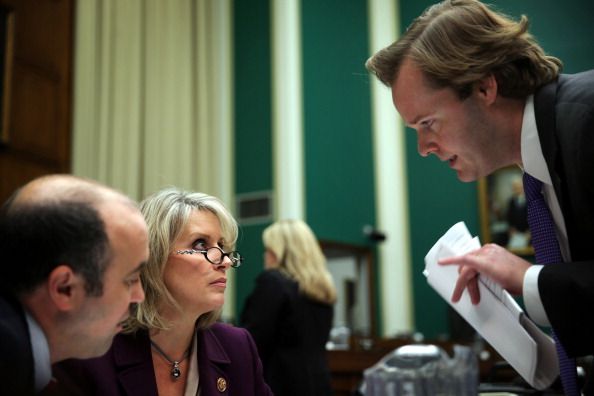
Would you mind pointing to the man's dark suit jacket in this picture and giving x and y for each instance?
(224, 352)
(290, 331)
(16, 356)
(564, 113)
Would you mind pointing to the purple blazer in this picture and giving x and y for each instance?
(228, 364)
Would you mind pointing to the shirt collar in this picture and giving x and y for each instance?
(41, 354)
(533, 160)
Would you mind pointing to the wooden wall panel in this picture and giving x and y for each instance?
(39, 94)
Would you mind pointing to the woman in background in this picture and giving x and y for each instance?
(290, 311)
(172, 345)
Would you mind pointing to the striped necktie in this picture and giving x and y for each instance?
(547, 251)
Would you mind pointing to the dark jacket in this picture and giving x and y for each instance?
(290, 331)
(564, 113)
(16, 356)
(224, 352)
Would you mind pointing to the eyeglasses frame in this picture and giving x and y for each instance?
(234, 263)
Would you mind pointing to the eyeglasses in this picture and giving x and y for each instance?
(216, 255)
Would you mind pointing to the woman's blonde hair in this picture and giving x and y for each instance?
(300, 257)
(457, 43)
(166, 213)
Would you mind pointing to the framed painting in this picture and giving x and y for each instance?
(502, 206)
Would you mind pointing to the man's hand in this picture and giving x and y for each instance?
(494, 262)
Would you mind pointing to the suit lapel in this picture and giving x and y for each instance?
(134, 364)
(213, 365)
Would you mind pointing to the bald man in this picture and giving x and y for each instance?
(71, 253)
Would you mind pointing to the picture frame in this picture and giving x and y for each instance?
(502, 211)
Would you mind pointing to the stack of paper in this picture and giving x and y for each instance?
(497, 318)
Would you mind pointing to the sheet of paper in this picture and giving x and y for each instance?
(497, 318)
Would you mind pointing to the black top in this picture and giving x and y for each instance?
(290, 331)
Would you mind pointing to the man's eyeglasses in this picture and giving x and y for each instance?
(216, 255)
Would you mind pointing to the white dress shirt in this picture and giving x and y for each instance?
(193, 381)
(534, 164)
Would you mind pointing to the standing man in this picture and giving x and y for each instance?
(483, 95)
(71, 254)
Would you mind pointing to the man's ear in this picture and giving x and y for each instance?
(487, 89)
(65, 288)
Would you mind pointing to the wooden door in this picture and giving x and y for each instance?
(36, 90)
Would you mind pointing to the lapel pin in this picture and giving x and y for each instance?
(221, 384)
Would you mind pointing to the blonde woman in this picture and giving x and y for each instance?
(172, 345)
(290, 311)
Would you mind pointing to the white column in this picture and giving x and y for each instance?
(287, 113)
(392, 189)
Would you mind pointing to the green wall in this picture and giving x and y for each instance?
(337, 128)
(253, 151)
